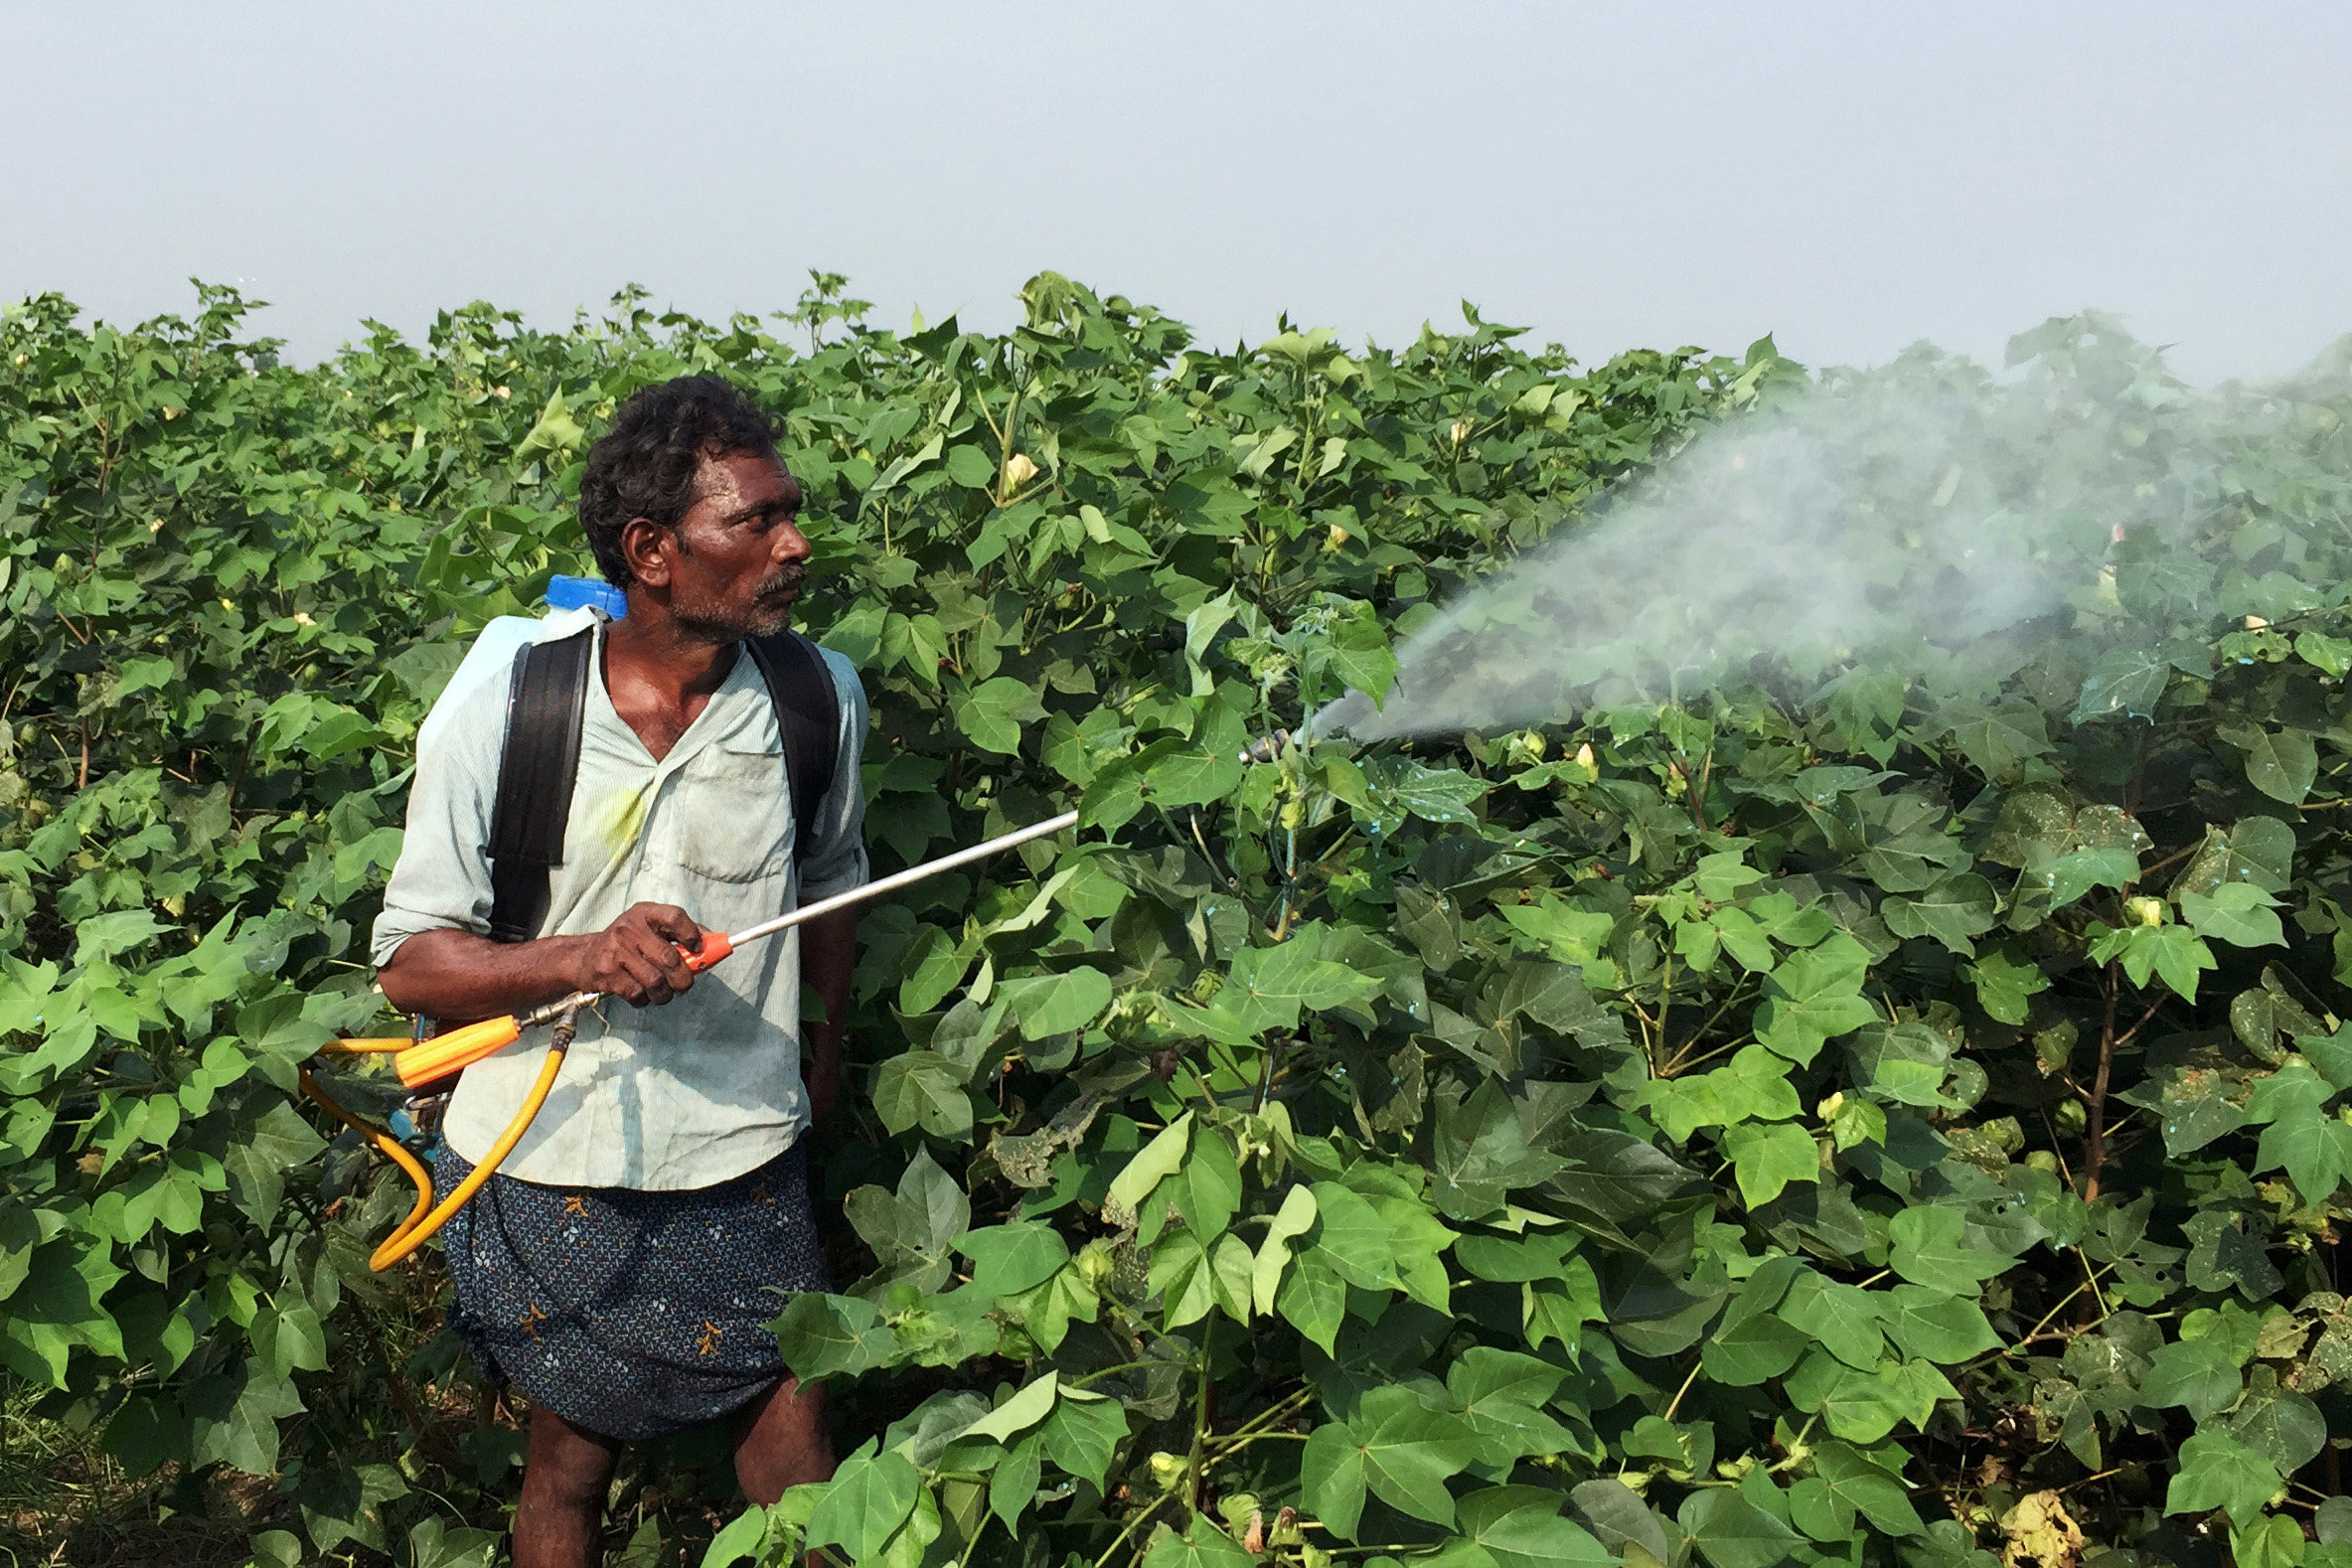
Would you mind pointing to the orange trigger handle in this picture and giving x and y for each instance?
(716, 946)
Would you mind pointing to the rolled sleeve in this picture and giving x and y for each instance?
(836, 860)
(442, 879)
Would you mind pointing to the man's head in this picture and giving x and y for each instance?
(686, 505)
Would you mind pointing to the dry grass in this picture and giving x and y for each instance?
(63, 1502)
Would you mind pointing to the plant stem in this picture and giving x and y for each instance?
(1119, 1540)
(1676, 1403)
(1204, 1411)
(2095, 1124)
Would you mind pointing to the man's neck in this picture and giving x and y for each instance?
(653, 653)
(660, 676)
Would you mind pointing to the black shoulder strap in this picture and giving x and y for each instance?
(808, 714)
(546, 703)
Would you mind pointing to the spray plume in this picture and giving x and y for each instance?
(1920, 518)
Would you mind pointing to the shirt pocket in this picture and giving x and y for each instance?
(734, 816)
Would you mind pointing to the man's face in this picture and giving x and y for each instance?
(736, 560)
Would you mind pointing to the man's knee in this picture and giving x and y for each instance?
(566, 1467)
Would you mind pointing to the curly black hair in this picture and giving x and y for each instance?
(645, 465)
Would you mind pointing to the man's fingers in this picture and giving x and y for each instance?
(644, 972)
(674, 925)
(661, 967)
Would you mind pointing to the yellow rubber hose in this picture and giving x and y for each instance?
(426, 1219)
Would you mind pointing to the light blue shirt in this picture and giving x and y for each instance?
(706, 1086)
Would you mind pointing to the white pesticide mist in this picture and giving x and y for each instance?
(1904, 518)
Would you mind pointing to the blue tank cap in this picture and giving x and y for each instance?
(569, 593)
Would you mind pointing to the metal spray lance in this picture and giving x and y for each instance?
(420, 1062)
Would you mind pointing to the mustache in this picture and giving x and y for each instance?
(785, 578)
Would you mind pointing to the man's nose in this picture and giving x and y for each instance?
(791, 544)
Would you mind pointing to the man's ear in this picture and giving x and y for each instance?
(647, 547)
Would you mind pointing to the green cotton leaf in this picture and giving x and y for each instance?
(933, 965)
(289, 1340)
(1930, 1247)
(2127, 680)
(1049, 1004)
(922, 1088)
(2005, 984)
(2216, 1471)
(2330, 656)
(2172, 953)
(1359, 653)
(1194, 777)
(2281, 763)
(2273, 1541)
(1480, 1150)
(1312, 1299)
(1207, 1187)
(1732, 1532)
(1293, 976)
(740, 1537)
(553, 434)
(1009, 1259)
(2238, 913)
(1352, 1239)
(1201, 1545)
(1409, 788)
(1083, 1434)
(1767, 1156)
(1751, 1351)
(1566, 932)
(1856, 1482)
(235, 1416)
(2312, 1146)
(1396, 1447)
(1152, 1165)
(992, 714)
(1501, 1395)
(1845, 1318)
(1819, 1512)
(1960, 905)
(868, 1498)
(1523, 1528)
(2071, 876)
(2198, 1374)
(2288, 1430)
(1813, 997)
(821, 1336)
(1181, 1280)
(1935, 1326)
(1998, 740)
(103, 936)
(971, 467)
(1027, 1406)
(1516, 1260)
(1012, 1484)
(259, 1156)
(1616, 1515)
(1294, 1219)
(2256, 850)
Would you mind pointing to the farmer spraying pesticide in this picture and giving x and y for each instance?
(590, 824)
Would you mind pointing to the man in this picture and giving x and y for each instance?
(619, 1267)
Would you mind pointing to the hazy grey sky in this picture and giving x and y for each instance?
(1850, 176)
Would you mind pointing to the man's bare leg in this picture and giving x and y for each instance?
(566, 1481)
(783, 1444)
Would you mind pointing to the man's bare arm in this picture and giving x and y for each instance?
(451, 974)
(828, 964)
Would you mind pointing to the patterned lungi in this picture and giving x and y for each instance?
(631, 1313)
